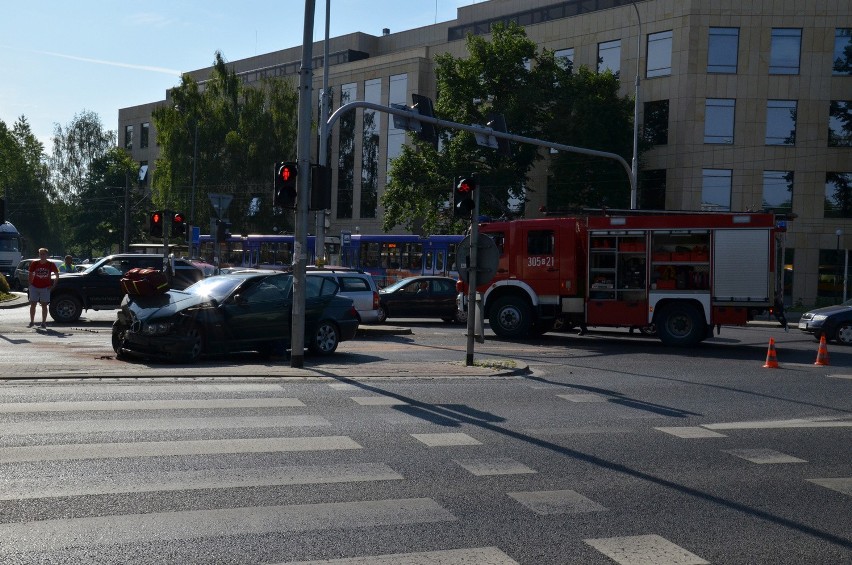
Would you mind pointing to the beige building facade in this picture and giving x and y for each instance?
(747, 104)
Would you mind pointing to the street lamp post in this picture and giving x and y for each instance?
(840, 274)
(634, 165)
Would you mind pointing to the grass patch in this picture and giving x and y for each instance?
(496, 364)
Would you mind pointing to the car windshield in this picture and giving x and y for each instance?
(398, 284)
(217, 287)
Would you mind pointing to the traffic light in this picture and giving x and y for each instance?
(463, 197)
(285, 185)
(155, 224)
(178, 224)
(498, 123)
(424, 107)
(223, 231)
(320, 188)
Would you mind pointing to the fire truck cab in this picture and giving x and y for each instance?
(676, 274)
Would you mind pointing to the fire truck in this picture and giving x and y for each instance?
(677, 275)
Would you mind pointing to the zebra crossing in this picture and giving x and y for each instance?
(148, 443)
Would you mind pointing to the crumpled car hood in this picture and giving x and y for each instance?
(162, 305)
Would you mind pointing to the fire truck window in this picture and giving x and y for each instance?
(499, 240)
(540, 242)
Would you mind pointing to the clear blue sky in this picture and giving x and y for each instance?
(58, 58)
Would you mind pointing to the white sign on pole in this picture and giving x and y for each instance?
(220, 203)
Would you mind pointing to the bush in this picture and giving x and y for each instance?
(4, 285)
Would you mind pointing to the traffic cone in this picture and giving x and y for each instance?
(822, 353)
(771, 359)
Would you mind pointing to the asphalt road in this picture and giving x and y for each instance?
(613, 449)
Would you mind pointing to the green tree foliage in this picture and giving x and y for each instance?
(25, 185)
(75, 148)
(539, 98)
(241, 132)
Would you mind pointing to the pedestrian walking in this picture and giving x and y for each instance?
(43, 277)
(68, 265)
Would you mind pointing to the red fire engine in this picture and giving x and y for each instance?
(676, 274)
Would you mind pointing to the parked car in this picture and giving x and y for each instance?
(356, 285)
(98, 287)
(421, 297)
(243, 311)
(21, 278)
(834, 322)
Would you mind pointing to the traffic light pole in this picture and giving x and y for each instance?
(303, 156)
(472, 266)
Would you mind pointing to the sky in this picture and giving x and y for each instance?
(60, 58)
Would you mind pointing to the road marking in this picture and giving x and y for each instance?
(149, 389)
(583, 397)
(495, 466)
(590, 430)
(344, 386)
(546, 502)
(645, 550)
(764, 456)
(839, 376)
(446, 439)
(473, 556)
(690, 432)
(816, 422)
(121, 405)
(64, 485)
(842, 485)
(378, 401)
(172, 448)
(39, 427)
(23, 538)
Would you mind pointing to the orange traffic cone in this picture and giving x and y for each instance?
(771, 359)
(822, 353)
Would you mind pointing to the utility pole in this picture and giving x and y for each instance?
(303, 157)
(323, 146)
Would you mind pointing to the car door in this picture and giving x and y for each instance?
(405, 302)
(442, 298)
(257, 312)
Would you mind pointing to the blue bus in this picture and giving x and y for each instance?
(386, 257)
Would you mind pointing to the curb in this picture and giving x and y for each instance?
(20, 299)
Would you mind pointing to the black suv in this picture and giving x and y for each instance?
(99, 286)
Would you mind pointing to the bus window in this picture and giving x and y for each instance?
(439, 262)
(427, 262)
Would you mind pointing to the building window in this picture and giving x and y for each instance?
(722, 50)
(656, 127)
(128, 138)
(652, 190)
(838, 195)
(346, 154)
(396, 95)
(842, 62)
(143, 135)
(659, 54)
(719, 120)
(785, 51)
(830, 282)
(840, 124)
(781, 122)
(716, 190)
(370, 139)
(565, 58)
(609, 56)
(778, 191)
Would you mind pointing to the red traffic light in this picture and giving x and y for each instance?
(287, 172)
(178, 219)
(466, 185)
(156, 218)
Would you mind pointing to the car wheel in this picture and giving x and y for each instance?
(383, 315)
(461, 317)
(325, 339)
(119, 330)
(844, 333)
(65, 308)
(510, 317)
(16, 284)
(195, 347)
(680, 325)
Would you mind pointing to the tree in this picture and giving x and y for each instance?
(75, 147)
(241, 132)
(25, 186)
(507, 75)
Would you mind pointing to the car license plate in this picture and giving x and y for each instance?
(803, 325)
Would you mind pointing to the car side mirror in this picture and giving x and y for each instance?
(240, 300)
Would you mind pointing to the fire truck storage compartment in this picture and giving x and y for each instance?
(680, 260)
(741, 265)
(617, 271)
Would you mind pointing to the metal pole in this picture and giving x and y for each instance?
(472, 266)
(634, 165)
(323, 147)
(303, 157)
(126, 212)
(192, 201)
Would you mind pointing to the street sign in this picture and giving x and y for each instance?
(345, 238)
(220, 203)
(487, 258)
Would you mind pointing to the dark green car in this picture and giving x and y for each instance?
(244, 311)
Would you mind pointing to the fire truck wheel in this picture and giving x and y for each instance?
(510, 317)
(680, 325)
